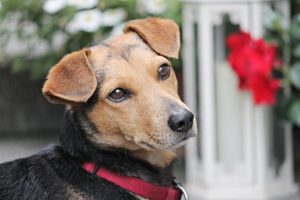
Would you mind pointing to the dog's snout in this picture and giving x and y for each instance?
(181, 121)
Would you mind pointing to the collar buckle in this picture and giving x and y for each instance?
(179, 187)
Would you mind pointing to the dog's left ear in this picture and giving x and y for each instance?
(162, 35)
(72, 80)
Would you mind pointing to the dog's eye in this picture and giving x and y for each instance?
(164, 72)
(118, 95)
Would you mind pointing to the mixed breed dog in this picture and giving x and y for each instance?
(123, 120)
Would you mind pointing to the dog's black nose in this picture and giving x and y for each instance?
(181, 121)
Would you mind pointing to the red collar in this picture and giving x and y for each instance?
(135, 185)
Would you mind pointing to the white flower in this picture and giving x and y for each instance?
(58, 40)
(72, 27)
(112, 17)
(31, 47)
(11, 22)
(28, 28)
(38, 47)
(117, 30)
(88, 20)
(155, 7)
(83, 4)
(53, 6)
(15, 46)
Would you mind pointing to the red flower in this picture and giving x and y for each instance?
(263, 89)
(236, 41)
(263, 57)
(253, 62)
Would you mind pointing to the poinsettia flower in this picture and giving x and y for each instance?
(264, 55)
(253, 61)
(53, 6)
(112, 17)
(83, 4)
(263, 89)
(236, 41)
(254, 56)
(88, 20)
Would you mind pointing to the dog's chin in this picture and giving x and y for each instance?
(181, 141)
(171, 143)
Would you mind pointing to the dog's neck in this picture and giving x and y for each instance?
(157, 158)
(78, 146)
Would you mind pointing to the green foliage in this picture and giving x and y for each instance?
(294, 112)
(32, 31)
(288, 40)
(294, 75)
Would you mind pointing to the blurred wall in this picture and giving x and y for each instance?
(23, 109)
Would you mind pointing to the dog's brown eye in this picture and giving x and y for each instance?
(164, 72)
(118, 95)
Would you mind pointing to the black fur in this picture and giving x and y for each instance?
(93, 99)
(56, 172)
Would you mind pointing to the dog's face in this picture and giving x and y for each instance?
(137, 104)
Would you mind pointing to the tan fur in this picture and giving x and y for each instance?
(74, 194)
(161, 35)
(158, 158)
(138, 124)
(71, 80)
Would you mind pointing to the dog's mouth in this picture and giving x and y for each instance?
(172, 143)
(147, 146)
(183, 140)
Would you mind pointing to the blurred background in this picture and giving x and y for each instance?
(239, 71)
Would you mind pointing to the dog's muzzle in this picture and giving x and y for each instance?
(181, 121)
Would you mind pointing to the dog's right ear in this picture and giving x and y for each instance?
(162, 35)
(72, 80)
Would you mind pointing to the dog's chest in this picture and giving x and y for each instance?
(76, 194)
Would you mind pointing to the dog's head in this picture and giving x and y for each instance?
(132, 85)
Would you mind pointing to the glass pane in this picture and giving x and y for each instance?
(229, 105)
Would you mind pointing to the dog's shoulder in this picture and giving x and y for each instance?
(53, 174)
(31, 178)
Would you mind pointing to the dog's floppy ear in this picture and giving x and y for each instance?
(162, 35)
(71, 80)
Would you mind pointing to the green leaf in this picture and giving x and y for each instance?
(283, 102)
(272, 20)
(295, 29)
(294, 112)
(294, 75)
(296, 18)
(297, 51)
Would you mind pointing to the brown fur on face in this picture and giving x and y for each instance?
(130, 61)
